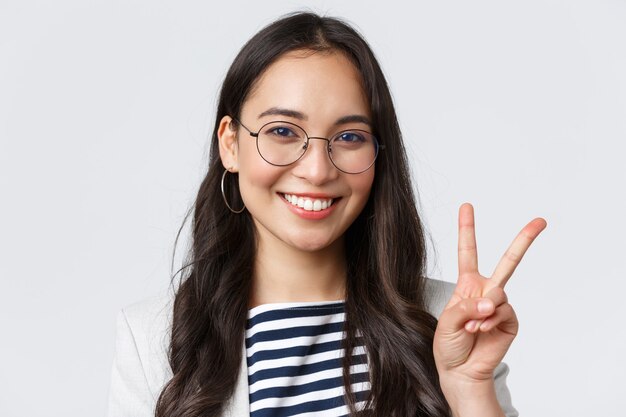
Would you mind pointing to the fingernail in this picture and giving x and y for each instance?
(484, 306)
(471, 325)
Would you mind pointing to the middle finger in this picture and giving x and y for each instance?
(513, 255)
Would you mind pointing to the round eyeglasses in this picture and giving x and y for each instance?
(282, 143)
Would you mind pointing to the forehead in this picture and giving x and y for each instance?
(321, 85)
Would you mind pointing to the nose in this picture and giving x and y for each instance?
(315, 165)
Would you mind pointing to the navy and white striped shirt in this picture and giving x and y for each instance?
(294, 360)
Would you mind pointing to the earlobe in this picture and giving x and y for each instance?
(227, 136)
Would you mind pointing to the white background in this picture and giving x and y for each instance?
(105, 113)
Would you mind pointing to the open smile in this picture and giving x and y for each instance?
(308, 203)
(310, 206)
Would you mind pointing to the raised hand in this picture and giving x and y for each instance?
(478, 324)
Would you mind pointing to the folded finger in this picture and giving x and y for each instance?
(499, 297)
(504, 318)
(454, 318)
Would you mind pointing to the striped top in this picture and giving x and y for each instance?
(294, 358)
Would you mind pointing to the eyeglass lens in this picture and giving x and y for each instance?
(283, 143)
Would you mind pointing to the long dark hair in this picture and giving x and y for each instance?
(385, 249)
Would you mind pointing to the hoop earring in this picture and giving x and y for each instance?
(224, 195)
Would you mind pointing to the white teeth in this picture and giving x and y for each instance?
(308, 204)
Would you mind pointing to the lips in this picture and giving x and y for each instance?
(308, 203)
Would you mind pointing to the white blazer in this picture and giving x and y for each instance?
(141, 369)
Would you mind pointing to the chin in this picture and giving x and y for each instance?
(309, 244)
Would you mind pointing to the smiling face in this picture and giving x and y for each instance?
(323, 94)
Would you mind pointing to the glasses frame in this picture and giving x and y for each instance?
(255, 135)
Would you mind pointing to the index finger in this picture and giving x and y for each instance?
(468, 254)
(514, 254)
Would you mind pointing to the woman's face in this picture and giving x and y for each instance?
(314, 91)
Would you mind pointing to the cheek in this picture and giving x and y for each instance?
(256, 177)
(362, 184)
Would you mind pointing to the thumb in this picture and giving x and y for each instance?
(454, 337)
(467, 314)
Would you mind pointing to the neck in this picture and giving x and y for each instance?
(286, 274)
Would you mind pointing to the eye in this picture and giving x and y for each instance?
(280, 131)
(351, 137)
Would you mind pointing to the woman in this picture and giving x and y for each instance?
(307, 244)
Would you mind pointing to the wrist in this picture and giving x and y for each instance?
(471, 398)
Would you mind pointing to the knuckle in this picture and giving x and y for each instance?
(510, 309)
(512, 256)
(506, 310)
(497, 295)
(467, 247)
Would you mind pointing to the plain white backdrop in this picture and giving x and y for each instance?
(106, 109)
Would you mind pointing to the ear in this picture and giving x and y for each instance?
(227, 135)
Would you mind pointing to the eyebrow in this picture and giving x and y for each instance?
(279, 111)
(353, 118)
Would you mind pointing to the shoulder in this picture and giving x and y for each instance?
(140, 365)
(151, 311)
(436, 295)
(149, 322)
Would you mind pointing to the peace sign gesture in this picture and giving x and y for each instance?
(478, 324)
